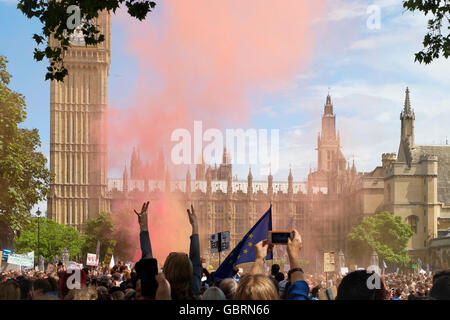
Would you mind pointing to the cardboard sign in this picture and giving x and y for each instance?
(92, 260)
(328, 262)
(220, 241)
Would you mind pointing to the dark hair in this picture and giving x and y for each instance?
(279, 276)
(235, 271)
(275, 269)
(42, 284)
(25, 288)
(443, 273)
(315, 291)
(53, 284)
(441, 288)
(398, 293)
(147, 270)
(354, 287)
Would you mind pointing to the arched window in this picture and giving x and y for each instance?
(413, 221)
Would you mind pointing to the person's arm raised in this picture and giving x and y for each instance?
(293, 250)
(144, 236)
(260, 257)
(194, 254)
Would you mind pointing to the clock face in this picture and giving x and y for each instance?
(77, 37)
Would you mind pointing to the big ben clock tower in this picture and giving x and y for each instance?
(78, 131)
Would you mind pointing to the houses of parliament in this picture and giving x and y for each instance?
(413, 183)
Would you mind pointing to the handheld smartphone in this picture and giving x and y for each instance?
(279, 237)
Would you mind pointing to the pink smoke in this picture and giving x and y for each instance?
(203, 60)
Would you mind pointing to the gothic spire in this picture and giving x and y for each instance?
(407, 109)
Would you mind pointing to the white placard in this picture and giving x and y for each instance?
(92, 260)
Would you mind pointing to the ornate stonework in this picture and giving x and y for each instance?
(77, 133)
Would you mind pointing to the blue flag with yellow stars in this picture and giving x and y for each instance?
(244, 251)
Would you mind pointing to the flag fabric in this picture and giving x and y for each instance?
(244, 251)
(111, 264)
(384, 265)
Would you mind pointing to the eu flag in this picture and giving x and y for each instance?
(244, 251)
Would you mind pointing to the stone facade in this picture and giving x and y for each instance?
(77, 133)
(413, 184)
(321, 209)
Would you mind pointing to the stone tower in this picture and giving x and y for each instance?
(77, 132)
(328, 142)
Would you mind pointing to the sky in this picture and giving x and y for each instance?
(365, 70)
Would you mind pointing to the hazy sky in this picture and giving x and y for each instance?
(367, 71)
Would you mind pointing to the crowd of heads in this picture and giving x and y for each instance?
(183, 278)
(122, 283)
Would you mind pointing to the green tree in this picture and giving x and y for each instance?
(24, 178)
(98, 229)
(104, 229)
(384, 233)
(54, 15)
(437, 40)
(53, 238)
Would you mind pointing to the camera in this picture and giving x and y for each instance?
(279, 237)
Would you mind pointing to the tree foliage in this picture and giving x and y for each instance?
(103, 228)
(384, 233)
(24, 178)
(437, 40)
(98, 229)
(54, 16)
(53, 238)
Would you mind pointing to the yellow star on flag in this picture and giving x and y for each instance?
(245, 251)
(250, 236)
(250, 244)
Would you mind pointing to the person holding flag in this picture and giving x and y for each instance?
(254, 248)
(244, 251)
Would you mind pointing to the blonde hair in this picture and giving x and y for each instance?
(178, 271)
(82, 294)
(256, 287)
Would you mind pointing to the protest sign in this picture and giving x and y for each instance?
(24, 260)
(328, 262)
(92, 260)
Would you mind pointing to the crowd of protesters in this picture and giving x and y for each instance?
(184, 278)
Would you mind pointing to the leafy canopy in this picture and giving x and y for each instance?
(53, 238)
(24, 178)
(384, 233)
(437, 41)
(54, 15)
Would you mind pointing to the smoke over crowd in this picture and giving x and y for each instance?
(203, 60)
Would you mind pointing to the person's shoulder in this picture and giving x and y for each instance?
(298, 290)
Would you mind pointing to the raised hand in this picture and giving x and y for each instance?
(143, 216)
(193, 220)
(294, 245)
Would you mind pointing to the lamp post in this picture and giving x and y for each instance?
(38, 213)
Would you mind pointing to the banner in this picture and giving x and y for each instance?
(92, 260)
(24, 260)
